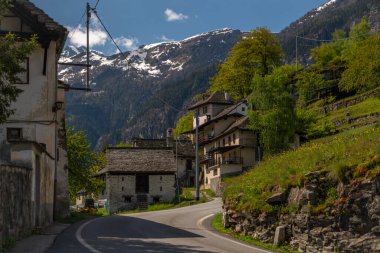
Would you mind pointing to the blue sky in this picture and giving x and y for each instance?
(138, 22)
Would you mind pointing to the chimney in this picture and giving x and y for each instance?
(169, 137)
(227, 96)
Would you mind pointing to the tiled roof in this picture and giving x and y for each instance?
(140, 160)
(216, 97)
(221, 115)
(241, 123)
(37, 19)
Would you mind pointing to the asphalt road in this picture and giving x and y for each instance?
(172, 231)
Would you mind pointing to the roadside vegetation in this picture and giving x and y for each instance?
(217, 224)
(343, 157)
(186, 199)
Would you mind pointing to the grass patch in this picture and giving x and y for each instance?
(73, 218)
(187, 198)
(324, 123)
(217, 223)
(209, 193)
(341, 156)
(83, 214)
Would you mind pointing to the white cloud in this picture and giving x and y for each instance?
(174, 16)
(165, 39)
(127, 43)
(79, 36)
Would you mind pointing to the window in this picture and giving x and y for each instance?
(127, 199)
(122, 189)
(122, 178)
(14, 134)
(233, 138)
(224, 142)
(205, 109)
(243, 109)
(156, 199)
(229, 140)
(23, 77)
(215, 172)
(160, 188)
(189, 164)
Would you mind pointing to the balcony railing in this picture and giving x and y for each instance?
(208, 137)
(233, 160)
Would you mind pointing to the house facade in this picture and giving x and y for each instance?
(229, 146)
(33, 141)
(183, 151)
(136, 177)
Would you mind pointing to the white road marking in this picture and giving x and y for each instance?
(78, 235)
(200, 225)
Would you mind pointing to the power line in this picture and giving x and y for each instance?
(77, 27)
(96, 5)
(109, 34)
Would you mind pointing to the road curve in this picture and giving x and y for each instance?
(171, 231)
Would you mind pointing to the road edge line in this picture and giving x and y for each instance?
(221, 236)
(78, 235)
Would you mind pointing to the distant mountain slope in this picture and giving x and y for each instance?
(136, 94)
(321, 22)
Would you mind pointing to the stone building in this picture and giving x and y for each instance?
(184, 153)
(135, 177)
(228, 146)
(33, 161)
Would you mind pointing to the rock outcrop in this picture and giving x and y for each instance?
(350, 223)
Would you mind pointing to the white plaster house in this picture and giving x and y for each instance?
(34, 137)
(138, 176)
(228, 146)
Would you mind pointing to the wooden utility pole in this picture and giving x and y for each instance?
(196, 157)
(88, 9)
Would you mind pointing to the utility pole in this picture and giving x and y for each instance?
(196, 157)
(176, 160)
(88, 9)
(296, 52)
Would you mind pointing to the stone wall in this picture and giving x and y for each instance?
(351, 224)
(121, 190)
(15, 202)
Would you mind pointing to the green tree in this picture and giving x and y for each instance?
(307, 81)
(274, 115)
(258, 53)
(184, 124)
(84, 164)
(12, 54)
(363, 66)
(329, 55)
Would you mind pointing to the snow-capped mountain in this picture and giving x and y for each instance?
(134, 93)
(321, 22)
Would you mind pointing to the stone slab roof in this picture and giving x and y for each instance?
(39, 21)
(216, 97)
(140, 160)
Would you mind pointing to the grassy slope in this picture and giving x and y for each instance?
(324, 124)
(276, 173)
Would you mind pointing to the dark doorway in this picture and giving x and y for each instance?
(142, 183)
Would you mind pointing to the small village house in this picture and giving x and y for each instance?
(138, 176)
(229, 147)
(184, 153)
(33, 160)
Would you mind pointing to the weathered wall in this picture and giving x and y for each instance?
(351, 225)
(120, 187)
(15, 202)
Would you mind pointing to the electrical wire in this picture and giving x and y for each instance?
(96, 5)
(109, 34)
(77, 27)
